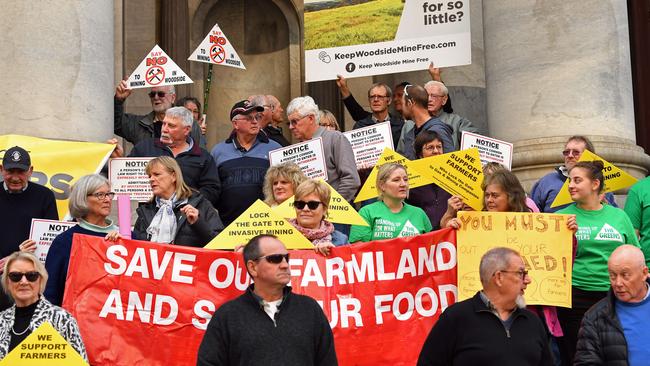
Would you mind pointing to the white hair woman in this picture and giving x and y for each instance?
(24, 280)
(90, 204)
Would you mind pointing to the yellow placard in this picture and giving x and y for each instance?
(44, 347)
(615, 179)
(460, 173)
(543, 240)
(339, 211)
(59, 164)
(259, 219)
(416, 178)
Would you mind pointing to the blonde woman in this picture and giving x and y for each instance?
(281, 181)
(390, 217)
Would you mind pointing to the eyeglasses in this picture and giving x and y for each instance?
(521, 273)
(102, 195)
(571, 152)
(161, 94)
(275, 258)
(432, 147)
(249, 118)
(433, 96)
(294, 122)
(377, 97)
(312, 205)
(30, 276)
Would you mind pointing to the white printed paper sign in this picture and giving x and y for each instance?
(308, 155)
(157, 69)
(128, 176)
(364, 38)
(43, 233)
(489, 149)
(368, 143)
(216, 49)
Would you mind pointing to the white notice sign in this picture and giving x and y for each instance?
(157, 69)
(308, 155)
(489, 149)
(368, 143)
(43, 233)
(127, 175)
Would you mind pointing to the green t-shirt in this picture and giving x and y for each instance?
(384, 224)
(599, 233)
(637, 207)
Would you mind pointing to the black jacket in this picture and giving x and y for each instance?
(601, 340)
(241, 333)
(204, 229)
(275, 134)
(198, 167)
(468, 333)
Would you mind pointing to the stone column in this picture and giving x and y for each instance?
(57, 69)
(557, 68)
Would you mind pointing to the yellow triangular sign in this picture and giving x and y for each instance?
(416, 178)
(615, 179)
(44, 347)
(340, 211)
(459, 173)
(259, 219)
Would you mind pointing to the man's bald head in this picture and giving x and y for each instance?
(628, 273)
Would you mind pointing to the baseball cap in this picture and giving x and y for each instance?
(16, 158)
(244, 107)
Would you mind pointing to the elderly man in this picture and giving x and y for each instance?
(267, 116)
(438, 95)
(492, 327)
(269, 324)
(274, 129)
(20, 202)
(637, 207)
(242, 161)
(547, 188)
(135, 128)
(197, 165)
(414, 104)
(616, 330)
(341, 169)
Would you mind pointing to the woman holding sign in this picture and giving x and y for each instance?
(24, 279)
(601, 228)
(390, 217)
(312, 199)
(176, 214)
(90, 204)
(281, 181)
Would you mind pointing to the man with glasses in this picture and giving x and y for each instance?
(547, 188)
(415, 101)
(242, 161)
(268, 324)
(492, 327)
(342, 172)
(135, 128)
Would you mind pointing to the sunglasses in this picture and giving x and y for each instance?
(406, 92)
(571, 152)
(311, 204)
(17, 276)
(161, 94)
(275, 258)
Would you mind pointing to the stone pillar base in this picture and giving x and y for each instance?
(535, 158)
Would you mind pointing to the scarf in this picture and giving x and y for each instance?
(163, 225)
(322, 234)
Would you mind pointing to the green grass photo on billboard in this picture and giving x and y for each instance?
(346, 25)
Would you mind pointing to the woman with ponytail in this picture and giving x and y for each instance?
(601, 228)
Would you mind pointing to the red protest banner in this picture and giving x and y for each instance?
(142, 303)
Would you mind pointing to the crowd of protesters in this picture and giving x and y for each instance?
(197, 192)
